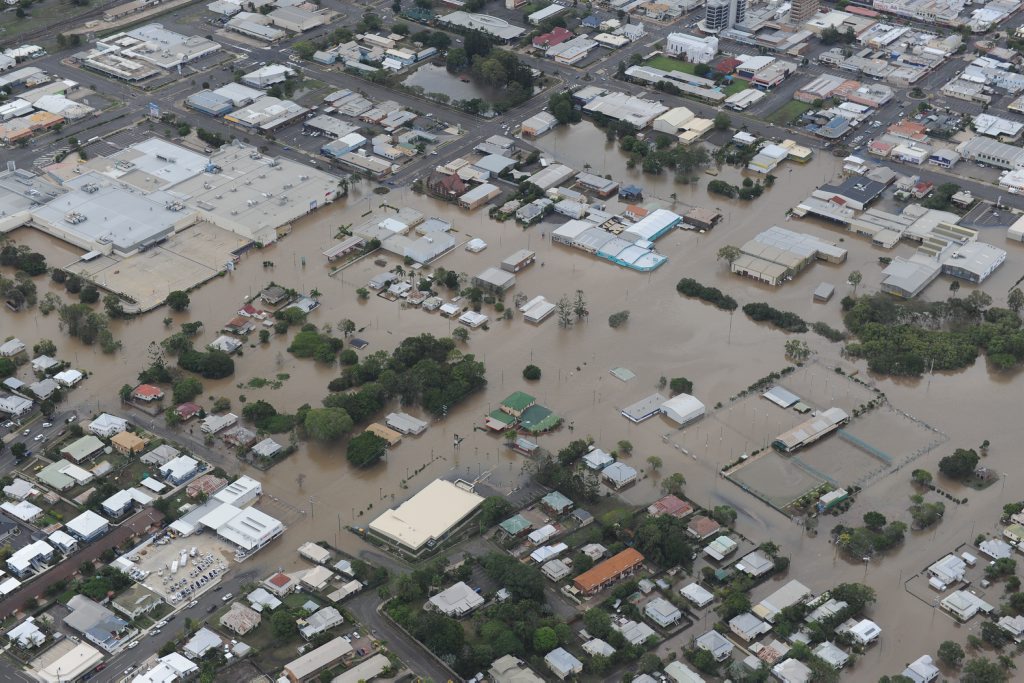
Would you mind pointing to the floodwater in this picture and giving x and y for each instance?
(434, 78)
(667, 335)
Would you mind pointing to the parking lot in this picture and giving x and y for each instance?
(198, 575)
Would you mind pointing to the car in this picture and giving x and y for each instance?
(133, 644)
(26, 432)
(47, 424)
(168, 620)
(39, 437)
(129, 669)
(226, 597)
(161, 623)
(211, 609)
(193, 604)
(217, 588)
(72, 419)
(101, 666)
(155, 632)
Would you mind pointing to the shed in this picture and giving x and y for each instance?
(518, 260)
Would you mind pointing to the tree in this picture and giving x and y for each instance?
(493, 510)
(579, 306)
(283, 624)
(673, 484)
(680, 385)
(616, 320)
(954, 287)
(564, 308)
(18, 450)
(724, 514)
(855, 279)
(112, 305)
(45, 347)
(950, 653)
(531, 372)
(366, 449)
(545, 639)
(178, 300)
(655, 462)
(921, 477)
(1015, 300)
(327, 424)
(960, 465)
(597, 622)
(456, 60)
(797, 350)
(461, 334)
(346, 327)
(186, 389)
(625, 447)
(729, 254)
(982, 670)
(125, 392)
(722, 121)
(874, 520)
(89, 295)
(1004, 566)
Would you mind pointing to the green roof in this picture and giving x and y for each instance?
(502, 417)
(556, 501)
(515, 525)
(82, 448)
(537, 419)
(519, 401)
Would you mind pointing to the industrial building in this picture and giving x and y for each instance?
(811, 430)
(492, 26)
(999, 154)
(628, 108)
(427, 517)
(144, 52)
(776, 255)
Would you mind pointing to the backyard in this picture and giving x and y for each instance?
(788, 112)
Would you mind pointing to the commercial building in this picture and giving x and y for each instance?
(143, 52)
(97, 623)
(427, 517)
(493, 26)
(720, 15)
(297, 19)
(811, 430)
(627, 108)
(268, 75)
(538, 124)
(683, 409)
(609, 571)
(267, 114)
(254, 25)
(692, 48)
(478, 196)
(776, 255)
(802, 10)
(998, 154)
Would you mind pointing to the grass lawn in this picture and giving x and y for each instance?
(737, 85)
(788, 112)
(669, 64)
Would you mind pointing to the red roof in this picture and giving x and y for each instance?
(608, 570)
(237, 322)
(187, 410)
(670, 505)
(280, 580)
(148, 390)
(702, 527)
(248, 309)
(727, 65)
(862, 11)
(557, 35)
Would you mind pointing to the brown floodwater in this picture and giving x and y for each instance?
(666, 335)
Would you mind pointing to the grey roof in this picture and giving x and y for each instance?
(644, 408)
(781, 396)
(857, 188)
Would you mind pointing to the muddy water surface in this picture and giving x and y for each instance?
(666, 336)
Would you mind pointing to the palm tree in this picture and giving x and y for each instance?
(954, 287)
(673, 198)
(314, 294)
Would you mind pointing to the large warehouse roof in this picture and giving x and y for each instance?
(428, 515)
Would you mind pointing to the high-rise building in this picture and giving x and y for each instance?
(722, 14)
(802, 10)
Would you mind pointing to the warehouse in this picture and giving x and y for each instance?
(622, 107)
(644, 408)
(479, 196)
(494, 280)
(599, 185)
(267, 114)
(653, 225)
(209, 102)
(806, 433)
(776, 255)
(682, 409)
(427, 517)
(493, 26)
(296, 19)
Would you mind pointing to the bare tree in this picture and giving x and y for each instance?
(564, 308)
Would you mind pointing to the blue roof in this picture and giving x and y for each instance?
(593, 20)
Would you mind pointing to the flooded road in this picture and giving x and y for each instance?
(666, 335)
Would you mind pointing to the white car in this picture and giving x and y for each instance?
(133, 644)
(47, 424)
(39, 437)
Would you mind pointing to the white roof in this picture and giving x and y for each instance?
(238, 489)
(68, 377)
(619, 472)
(153, 485)
(542, 534)
(682, 408)
(62, 538)
(697, 594)
(22, 558)
(250, 529)
(457, 599)
(23, 510)
(179, 467)
(107, 425)
(219, 516)
(87, 524)
(123, 497)
(427, 515)
(545, 553)
(11, 347)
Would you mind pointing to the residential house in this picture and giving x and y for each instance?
(82, 449)
(136, 601)
(755, 564)
(147, 393)
(87, 526)
(97, 623)
(128, 443)
(240, 619)
(562, 664)
(457, 600)
(179, 470)
(715, 643)
(322, 620)
(747, 626)
(609, 571)
(107, 425)
(662, 612)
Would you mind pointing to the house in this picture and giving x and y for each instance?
(147, 393)
(792, 671)
(323, 619)
(267, 448)
(63, 475)
(670, 505)
(68, 378)
(619, 475)
(107, 425)
(239, 437)
(865, 631)
(19, 489)
(310, 664)
(662, 612)
(831, 655)
(755, 563)
(136, 601)
(596, 646)
(715, 643)
(747, 626)
(556, 503)
(273, 295)
(202, 642)
(515, 526)
(316, 554)
(82, 449)
(212, 424)
(14, 406)
(922, 670)
(517, 403)
(27, 635)
(317, 578)
(720, 548)
(97, 623)
(44, 363)
(280, 584)
(457, 600)
(1014, 532)
(556, 569)
(87, 526)
(179, 470)
(128, 443)
(11, 347)
(697, 594)
(609, 571)
(240, 619)
(995, 548)
(124, 501)
(964, 605)
(597, 459)
(23, 510)
(186, 411)
(30, 559)
(635, 633)
(701, 527)
(949, 570)
(562, 664)
(261, 600)
(225, 343)
(44, 388)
